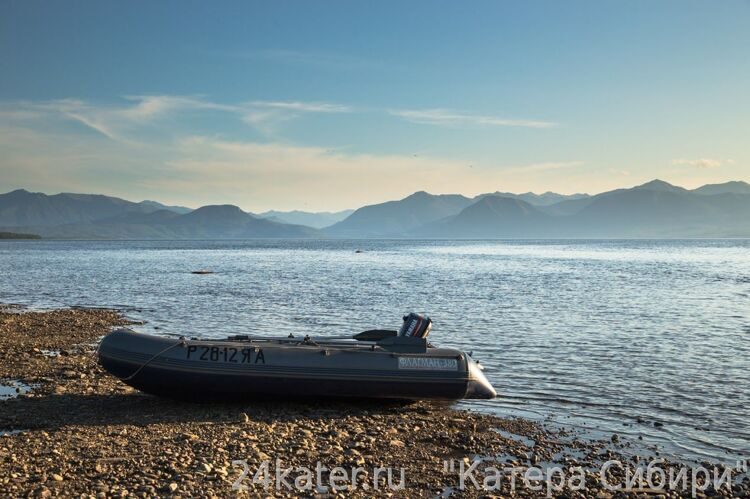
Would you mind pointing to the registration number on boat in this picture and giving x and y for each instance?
(434, 364)
(226, 354)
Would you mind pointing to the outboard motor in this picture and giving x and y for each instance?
(416, 326)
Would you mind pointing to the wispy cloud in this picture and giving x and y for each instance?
(68, 109)
(447, 117)
(267, 121)
(703, 162)
(117, 121)
(93, 122)
(159, 146)
(198, 170)
(121, 121)
(109, 120)
(152, 106)
(267, 117)
(307, 107)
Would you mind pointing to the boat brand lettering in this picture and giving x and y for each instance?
(226, 354)
(427, 363)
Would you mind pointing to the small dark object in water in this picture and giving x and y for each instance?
(359, 251)
(658, 424)
(202, 272)
(15, 235)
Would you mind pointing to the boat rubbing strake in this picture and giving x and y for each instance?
(372, 364)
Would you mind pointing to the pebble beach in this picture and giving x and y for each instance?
(71, 430)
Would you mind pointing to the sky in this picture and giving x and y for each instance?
(330, 105)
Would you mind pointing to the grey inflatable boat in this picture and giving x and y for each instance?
(373, 364)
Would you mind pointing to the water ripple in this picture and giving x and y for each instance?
(589, 333)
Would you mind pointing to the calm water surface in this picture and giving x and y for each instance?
(593, 334)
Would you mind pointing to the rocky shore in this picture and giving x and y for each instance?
(70, 430)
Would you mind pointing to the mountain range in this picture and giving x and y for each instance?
(398, 218)
(92, 216)
(656, 209)
(315, 220)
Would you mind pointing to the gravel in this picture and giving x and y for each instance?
(82, 433)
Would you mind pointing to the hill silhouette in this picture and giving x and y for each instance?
(654, 209)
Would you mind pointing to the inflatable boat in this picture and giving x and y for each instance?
(373, 364)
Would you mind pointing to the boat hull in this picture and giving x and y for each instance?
(235, 370)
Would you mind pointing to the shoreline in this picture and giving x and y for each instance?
(78, 430)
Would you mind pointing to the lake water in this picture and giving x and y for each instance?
(592, 334)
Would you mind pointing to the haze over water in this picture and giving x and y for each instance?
(595, 333)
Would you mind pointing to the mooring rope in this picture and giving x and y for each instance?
(182, 342)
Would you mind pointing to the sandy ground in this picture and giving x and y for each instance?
(74, 431)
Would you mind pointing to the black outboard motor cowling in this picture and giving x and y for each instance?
(416, 326)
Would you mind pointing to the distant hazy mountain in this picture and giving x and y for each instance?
(397, 218)
(655, 185)
(229, 222)
(23, 208)
(546, 199)
(317, 220)
(491, 217)
(86, 216)
(137, 218)
(574, 205)
(735, 187)
(207, 222)
(154, 205)
(654, 209)
(659, 209)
